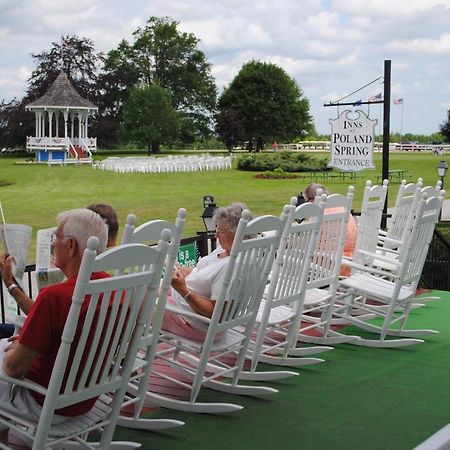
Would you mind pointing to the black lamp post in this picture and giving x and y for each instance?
(209, 207)
(442, 168)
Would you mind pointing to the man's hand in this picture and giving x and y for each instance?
(17, 358)
(6, 268)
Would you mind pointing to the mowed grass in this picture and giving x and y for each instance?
(39, 192)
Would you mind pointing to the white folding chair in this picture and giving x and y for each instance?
(103, 333)
(224, 349)
(396, 291)
(148, 233)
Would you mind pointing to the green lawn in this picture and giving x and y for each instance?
(39, 192)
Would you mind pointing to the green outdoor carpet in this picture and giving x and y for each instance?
(360, 398)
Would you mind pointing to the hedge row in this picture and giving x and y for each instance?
(286, 161)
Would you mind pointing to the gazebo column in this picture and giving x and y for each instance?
(36, 117)
(80, 131)
(86, 125)
(42, 124)
(72, 116)
(66, 118)
(57, 123)
(50, 123)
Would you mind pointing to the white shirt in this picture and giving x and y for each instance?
(205, 279)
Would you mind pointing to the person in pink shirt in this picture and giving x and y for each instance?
(309, 195)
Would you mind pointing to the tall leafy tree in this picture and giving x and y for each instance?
(15, 123)
(269, 104)
(119, 74)
(76, 56)
(163, 55)
(149, 118)
(445, 128)
(73, 54)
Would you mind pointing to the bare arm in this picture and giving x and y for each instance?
(23, 301)
(17, 358)
(200, 304)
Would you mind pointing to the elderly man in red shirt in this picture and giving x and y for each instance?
(33, 352)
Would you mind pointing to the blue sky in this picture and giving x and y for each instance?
(330, 47)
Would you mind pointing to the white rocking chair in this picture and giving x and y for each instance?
(113, 312)
(323, 277)
(204, 362)
(396, 291)
(278, 320)
(148, 233)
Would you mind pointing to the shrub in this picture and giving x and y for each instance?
(286, 161)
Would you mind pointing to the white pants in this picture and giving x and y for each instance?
(18, 400)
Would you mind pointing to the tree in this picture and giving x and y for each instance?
(73, 54)
(76, 56)
(149, 118)
(269, 104)
(114, 84)
(163, 55)
(445, 128)
(15, 123)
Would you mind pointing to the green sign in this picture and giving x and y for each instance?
(187, 255)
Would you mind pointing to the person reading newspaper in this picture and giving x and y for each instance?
(33, 352)
(8, 268)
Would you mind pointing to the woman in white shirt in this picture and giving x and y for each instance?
(196, 289)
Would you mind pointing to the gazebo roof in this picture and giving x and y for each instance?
(61, 94)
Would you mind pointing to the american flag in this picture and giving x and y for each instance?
(375, 98)
(397, 101)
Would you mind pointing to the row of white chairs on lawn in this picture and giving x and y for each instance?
(171, 163)
(282, 288)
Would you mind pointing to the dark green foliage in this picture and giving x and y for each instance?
(76, 56)
(286, 161)
(445, 129)
(148, 117)
(261, 105)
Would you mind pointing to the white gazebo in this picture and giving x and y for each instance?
(62, 125)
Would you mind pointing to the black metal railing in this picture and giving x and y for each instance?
(436, 271)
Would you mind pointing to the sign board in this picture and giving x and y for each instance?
(187, 255)
(352, 141)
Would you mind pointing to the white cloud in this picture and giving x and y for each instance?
(331, 47)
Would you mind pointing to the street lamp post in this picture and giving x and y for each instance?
(208, 241)
(442, 168)
(209, 207)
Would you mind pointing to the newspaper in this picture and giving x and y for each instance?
(16, 240)
(46, 271)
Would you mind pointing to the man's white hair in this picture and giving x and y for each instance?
(81, 224)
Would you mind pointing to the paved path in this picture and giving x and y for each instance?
(446, 210)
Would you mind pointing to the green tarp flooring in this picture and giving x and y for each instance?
(360, 398)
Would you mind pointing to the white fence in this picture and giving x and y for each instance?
(437, 149)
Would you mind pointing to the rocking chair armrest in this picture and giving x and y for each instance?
(392, 241)
(348, 262)
(25, 382)
(391, 251)
(381, 258)
(16, 320)
(187, 312)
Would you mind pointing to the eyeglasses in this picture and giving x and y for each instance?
(54, 237)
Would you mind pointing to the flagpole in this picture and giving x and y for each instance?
(401, 124)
